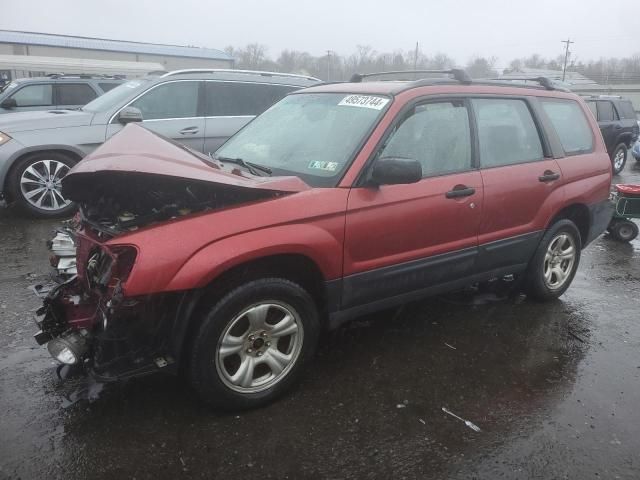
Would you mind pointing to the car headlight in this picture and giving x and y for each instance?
(4, 138)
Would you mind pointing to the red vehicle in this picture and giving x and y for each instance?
(340, 200)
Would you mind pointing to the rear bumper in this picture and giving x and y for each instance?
(600, 215)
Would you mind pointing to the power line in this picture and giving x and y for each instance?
(566, 56)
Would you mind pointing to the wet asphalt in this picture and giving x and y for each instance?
(554, 389)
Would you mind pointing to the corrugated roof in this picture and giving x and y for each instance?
(51, 40)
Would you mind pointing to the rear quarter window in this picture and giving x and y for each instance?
(626, 110)
(571, 125)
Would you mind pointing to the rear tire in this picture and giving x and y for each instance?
(35, 184)
(624, 230)
(253, 344)
(553, 266)
(619, 158)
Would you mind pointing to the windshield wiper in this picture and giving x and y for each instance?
(253, 168)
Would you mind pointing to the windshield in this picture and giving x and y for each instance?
(115, 96)
(312, 136)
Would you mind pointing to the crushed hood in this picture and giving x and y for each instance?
(140, 152)
(40, 120)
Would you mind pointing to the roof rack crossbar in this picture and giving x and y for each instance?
(546, 82)
(242, 72)
(458, 74)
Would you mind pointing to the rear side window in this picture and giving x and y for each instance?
(626, 110)
(40, 95)
(225, 99)
(570, 124)
(435, 134)
(606, 113)
(506, 131)
(107, 86)
(75, 94)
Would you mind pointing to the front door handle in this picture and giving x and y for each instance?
(549, 176)
(460, 191)
(189, 131)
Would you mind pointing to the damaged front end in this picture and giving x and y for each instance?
(132, 182)
(86, 321)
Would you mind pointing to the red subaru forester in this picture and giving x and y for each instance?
(339, 200)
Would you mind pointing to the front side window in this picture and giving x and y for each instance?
(570, 124)
(75, 94)
(34, 96)
(626, 110)
(606, 113)
(313, 136)
(437, 135)
(225, 99)
(507, 133)
(115, 97)
(169, 100)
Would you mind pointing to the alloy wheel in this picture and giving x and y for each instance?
(259, 347)
(559, 261)
(618, 160)
(41, 184)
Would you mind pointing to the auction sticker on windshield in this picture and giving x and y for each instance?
(365, 101)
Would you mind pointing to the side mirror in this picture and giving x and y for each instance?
(129, 115)
(392, 171)
(9, 103)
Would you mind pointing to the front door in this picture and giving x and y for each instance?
(173, 110)
(405, 238)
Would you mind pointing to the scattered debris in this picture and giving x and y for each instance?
(577, 337)
(450, 346)
(469, 424)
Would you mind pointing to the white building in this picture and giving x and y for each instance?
(67, 48)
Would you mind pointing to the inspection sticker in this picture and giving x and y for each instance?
(326, 166)
(366, 101)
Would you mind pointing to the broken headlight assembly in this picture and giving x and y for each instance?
(109, 267)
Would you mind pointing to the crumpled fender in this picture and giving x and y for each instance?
(312, 241)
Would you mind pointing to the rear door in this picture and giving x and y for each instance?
(406, 238)
(73, 95)
(520, 178)
(172, 109)
(609, 123)
(229, 106)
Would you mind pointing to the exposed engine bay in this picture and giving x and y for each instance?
(116, 202)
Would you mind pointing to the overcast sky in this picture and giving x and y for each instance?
(461, 29)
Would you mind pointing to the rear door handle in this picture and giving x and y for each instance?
(460, 191)
(549, 176)
(189, 131)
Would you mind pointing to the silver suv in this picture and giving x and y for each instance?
(198, 108)
(54, 91)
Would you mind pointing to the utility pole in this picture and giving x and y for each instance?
(328, 65)
(415, 58)
(567, 42)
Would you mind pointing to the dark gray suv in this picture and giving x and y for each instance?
(198, 108)
(54, 92)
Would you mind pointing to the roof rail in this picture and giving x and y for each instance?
(546, 82)
(242, 72)
(84, 76)
(458, 74)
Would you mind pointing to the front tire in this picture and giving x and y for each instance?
(35, 184)
(555, 262)
(619, 158)
(253, 344)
